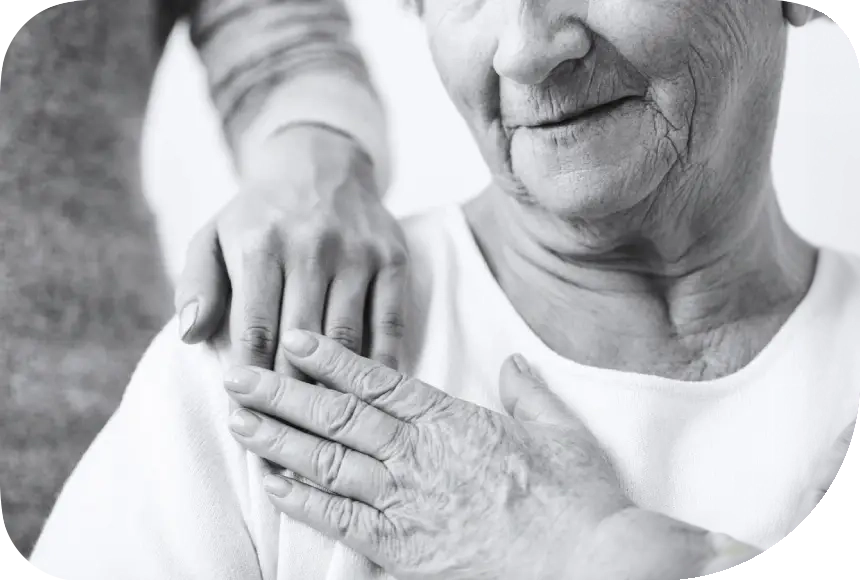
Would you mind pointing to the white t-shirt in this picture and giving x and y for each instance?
(165, 492)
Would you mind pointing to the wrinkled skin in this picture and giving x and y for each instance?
(306, 244)
(702, 77)
(433, 487)
(467, 471)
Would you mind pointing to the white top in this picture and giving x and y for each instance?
(165, 492)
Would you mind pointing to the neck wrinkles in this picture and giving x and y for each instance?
(685, 277)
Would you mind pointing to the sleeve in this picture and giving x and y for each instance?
(274, 63)
(163, 491)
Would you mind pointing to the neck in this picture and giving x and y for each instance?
(668, 293)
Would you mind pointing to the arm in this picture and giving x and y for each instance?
(309, 140)
(277, 63)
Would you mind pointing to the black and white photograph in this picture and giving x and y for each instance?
(424, 289)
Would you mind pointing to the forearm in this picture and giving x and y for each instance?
(276, 63)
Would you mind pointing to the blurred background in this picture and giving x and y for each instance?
(187, 175)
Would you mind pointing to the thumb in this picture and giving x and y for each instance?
(527, 398)
(203, 288)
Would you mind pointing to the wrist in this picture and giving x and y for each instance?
(322, 99)
(307, 157)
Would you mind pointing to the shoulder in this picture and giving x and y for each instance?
(437, 240)
(431, 239)
(163, 489)
(175, 357)
(180, 387)
(433, 225)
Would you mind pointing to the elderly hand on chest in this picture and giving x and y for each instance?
(429, 486)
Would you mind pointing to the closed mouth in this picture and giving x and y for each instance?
(586, 113)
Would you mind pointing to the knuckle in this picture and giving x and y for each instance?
(258, 262)
(335, 362)
(398, 446)
(276, 441)
(258, 339)
(376, 382)
(328, 458)
(310, 260)
(259, 239)
(392, 325)
(346, 334)
(317, 246)
(342, 416)
(275, 396)
(318, 411)
(340, 514)
(397, 259)
(360, 256)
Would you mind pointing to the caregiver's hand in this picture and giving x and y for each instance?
(433, 487)
(306, 244)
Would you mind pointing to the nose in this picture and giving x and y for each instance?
(539, 35)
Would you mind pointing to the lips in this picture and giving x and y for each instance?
(584, 113)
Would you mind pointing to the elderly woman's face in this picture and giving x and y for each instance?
(590, 107)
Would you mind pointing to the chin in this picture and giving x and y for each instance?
(592, 170)
(595, 192)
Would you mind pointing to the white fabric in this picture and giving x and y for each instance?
(166, 493)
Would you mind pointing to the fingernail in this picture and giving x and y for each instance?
(244, 422)
(522, 364)
(299, 343)
(276, 486)
(187, 318)
(241, 380)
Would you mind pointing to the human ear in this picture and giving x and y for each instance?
(797, 14)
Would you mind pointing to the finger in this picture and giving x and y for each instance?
(326, 463)
(336, 416)
(202, 289)
(354, 524)
(327, 361)
(387, 311)
(303, 302)
(527, 398)
(257, 290)
(345, 308)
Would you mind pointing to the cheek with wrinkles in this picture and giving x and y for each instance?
(464, 61)
(693, 60)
